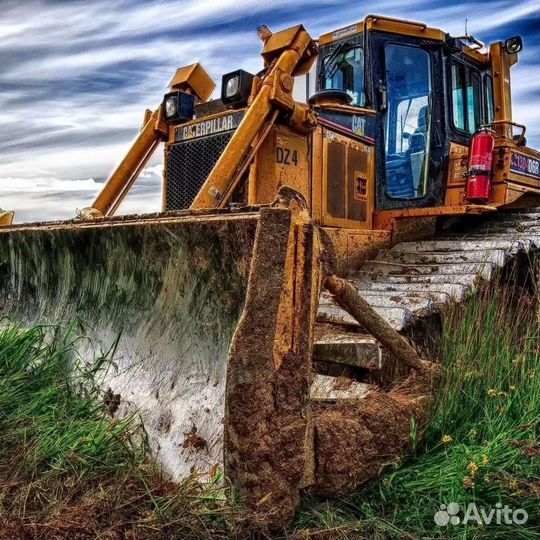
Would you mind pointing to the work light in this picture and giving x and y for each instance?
(170, 107)
(236, 88)
(513, 45)
(232, 86)
(178, 107)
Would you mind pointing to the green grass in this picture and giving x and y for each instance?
(69, 470)
(49, 425)
(488, 411)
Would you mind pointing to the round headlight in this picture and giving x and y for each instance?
(231, 89)
(514, 44)
(170, 107)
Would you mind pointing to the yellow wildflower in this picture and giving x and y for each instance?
(517, 360)
(512, 387)
(468, 482)
(472, 467)
(473, 432)
(447, 439)
(532, 373)
(492, 392)
(485, 459)
(503, 394)
(513, 485)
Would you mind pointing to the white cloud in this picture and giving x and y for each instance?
(44, 185)
(76, 77)
(42, 198)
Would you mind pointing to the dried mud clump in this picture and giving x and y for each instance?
(112, 401)
(354, 440)
(194, 441)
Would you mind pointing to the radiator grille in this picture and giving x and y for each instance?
(188, 165)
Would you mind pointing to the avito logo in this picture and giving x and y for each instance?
(499, 515)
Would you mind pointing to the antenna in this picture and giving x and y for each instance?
(466, 21)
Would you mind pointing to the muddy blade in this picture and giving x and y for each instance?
(210, 316)
(164, 294)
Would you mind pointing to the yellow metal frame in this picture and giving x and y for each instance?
(255, 144)
(288, 52)
(119, 183)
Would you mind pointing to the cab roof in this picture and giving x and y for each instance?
(404, 27)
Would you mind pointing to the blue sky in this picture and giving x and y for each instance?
(76, 77)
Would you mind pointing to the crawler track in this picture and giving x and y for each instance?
(414, 280)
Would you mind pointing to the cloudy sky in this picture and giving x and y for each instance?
(76, 77)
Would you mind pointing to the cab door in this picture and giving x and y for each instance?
(409, 96)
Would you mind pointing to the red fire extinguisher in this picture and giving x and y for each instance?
(480, 162)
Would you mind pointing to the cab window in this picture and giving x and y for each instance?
(488, 96)
(466, 98)
(345, 71)
(458, 103)
(474, 103)
(408, 121)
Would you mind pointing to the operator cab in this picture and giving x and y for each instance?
(416, 90)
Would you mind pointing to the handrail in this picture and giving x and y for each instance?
(521, 138)
(471, 39)
(376, 18)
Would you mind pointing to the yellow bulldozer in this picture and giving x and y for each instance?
(272, 320)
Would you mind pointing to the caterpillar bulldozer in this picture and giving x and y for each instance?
(279, 317)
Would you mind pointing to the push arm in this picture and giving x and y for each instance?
(288, 53)
(124, 176)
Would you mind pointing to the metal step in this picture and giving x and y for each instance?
(413, 301)
(398, 318)
(417, 299)
(358, 350)
(456, 291)
(456, 279)
(528, 239)
(513, 227)
(456, 245)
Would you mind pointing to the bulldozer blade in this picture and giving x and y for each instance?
(210, 317)
(164, 295)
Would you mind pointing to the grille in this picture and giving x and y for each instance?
(188, 165)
